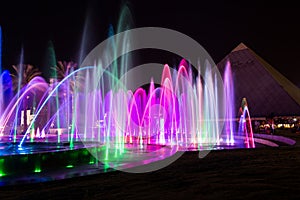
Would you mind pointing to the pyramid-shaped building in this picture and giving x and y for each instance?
(267, 91)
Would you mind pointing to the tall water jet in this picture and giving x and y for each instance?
(1, 89)
(18, 89)
(83, 41)
(0, 50)
(229, 104)
(106, 90)
(6, 94)
(51, 63)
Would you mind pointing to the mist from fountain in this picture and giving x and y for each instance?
(93, 104)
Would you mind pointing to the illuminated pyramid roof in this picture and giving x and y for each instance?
(267, 91)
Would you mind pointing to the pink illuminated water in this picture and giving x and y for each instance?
(229, 99)
(183, 111)
(245, 125)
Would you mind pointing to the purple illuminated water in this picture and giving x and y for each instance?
(181, 112)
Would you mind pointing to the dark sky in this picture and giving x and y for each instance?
(270, 29)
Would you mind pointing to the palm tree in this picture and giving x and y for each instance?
(63, 69)
(24, 73)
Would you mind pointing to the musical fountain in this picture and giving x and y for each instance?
(68, 122)
(86, 119)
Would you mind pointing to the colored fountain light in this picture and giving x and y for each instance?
(92, 105)
(87, 115)
(245, 125)
(181, 112)
(0, 50)
(229, 98)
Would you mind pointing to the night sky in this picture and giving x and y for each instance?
(271, 30)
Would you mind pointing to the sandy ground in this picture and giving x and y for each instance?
(262, 173)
